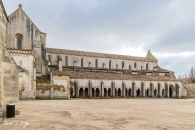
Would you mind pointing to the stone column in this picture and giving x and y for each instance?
(113, 90)
(159, 90)
(76, 89)
(106, 93)
(151, 89)
(123, 90)
(52, 86)
(143, 90)
(83, 92)
(168, 91)
(90, 89)
(116, 92)
(134, 90)
(102, 89)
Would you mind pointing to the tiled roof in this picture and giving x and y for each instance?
(113, 76)
(98, 55)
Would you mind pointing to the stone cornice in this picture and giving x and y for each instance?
(22, 53)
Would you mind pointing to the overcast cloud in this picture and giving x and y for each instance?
(130, 27)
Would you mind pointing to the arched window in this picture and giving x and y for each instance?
(49, 59)
(135, 65)
(66, 61)
(96, 63)
(82, 62)
(123, 65)
(147, 66)
(110, 64)
(19, 38)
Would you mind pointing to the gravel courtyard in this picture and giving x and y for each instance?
(101, 114)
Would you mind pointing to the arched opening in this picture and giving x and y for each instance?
(109, 92)
(71, 92)
(129, 92)
(155, 91)
(96, 63)
(105, 92)
(93, 92)
(138, 92)
(135, 66)
(147, 66)
(116, 92)
(97, 92)
(170, 92)
(81, 92)
(19, 39)
(119, 92)
(86, 92)
(110, 64)
(163, 93)
(147, 92)
(123, 65)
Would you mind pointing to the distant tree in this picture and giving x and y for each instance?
(192, 74)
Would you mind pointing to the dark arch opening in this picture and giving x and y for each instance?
(71, 92)
(97, 92)
(170, 92)
(86, 92)
(109, 92)
(129, 92)
(105, 92)
(119, 92)
(138, 92)
(81, 92)
(155, 92)
(93, 92)
(163, 93)
(147, 92)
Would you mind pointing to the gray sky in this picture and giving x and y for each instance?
(130, 27)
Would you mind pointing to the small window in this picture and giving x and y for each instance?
(49, 59)
(96, 63)
(129, 67)
(123, 65)
(66, 61)
(147, 66)
(81, 62)
(141, 67)
(19, 41)
(110, 64)
(135, 65)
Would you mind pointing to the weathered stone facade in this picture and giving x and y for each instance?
(60, 73)
(9, 71)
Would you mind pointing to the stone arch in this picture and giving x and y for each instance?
(147, 92)
(86, 92)
(105, 92)
(81, 92)
(97, 92)
(93, 92)
(138, 92)
(155, 92)
(130, 92)
(109, 92)
(171, 90)
(119, 92)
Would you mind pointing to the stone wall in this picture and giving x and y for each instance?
(190, 90)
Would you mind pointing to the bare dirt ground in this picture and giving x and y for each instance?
(103, 114)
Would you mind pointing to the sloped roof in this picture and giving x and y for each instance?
(113, 76)
(98, 55)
